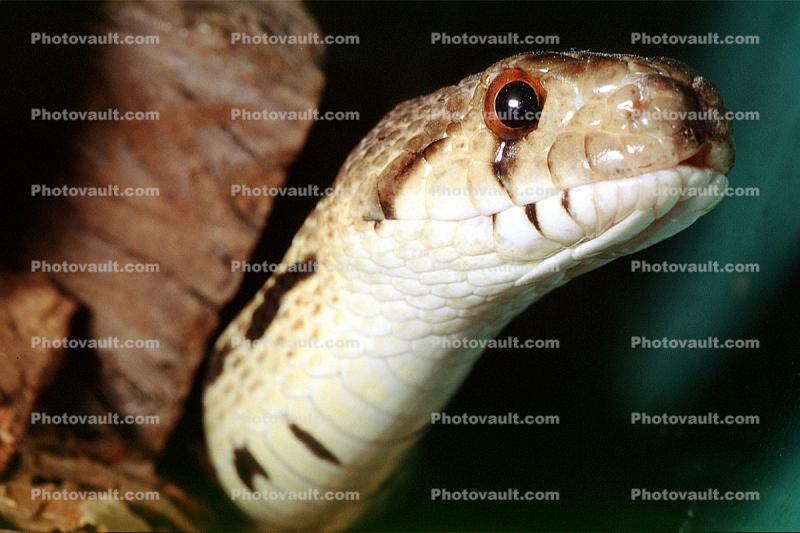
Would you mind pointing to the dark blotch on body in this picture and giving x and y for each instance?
(284, 282)
(247, 467)
(315, 446)
(264, 313)
(215, 363)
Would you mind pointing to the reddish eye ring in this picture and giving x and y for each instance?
(513, 103)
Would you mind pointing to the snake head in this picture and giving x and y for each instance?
(574, 155)
(600, 117)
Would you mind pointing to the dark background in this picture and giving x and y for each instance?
(595, 380)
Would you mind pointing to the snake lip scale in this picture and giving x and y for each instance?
(457, 211)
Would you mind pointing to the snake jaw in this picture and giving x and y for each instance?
(605, 220)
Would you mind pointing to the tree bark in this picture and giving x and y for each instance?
(48, 490)
(31, 310)
(193, 229)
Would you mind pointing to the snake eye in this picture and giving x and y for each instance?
(513, 104)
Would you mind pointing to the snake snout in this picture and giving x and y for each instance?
(715, 127)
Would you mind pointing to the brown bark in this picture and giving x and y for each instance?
(48, 490)
(194, 228)
(29, 307)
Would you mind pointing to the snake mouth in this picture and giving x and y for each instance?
(588, 225)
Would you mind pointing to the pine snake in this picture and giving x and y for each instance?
(455, 213)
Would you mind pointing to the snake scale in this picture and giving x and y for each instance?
(455, 213)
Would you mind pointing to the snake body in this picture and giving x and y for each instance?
(439, 230)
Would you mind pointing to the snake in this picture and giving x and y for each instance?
(456, 212)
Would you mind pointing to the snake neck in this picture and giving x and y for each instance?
(403, 317)
(334, 369)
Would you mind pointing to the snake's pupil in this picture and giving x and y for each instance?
(516, 105)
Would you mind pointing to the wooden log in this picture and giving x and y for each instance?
(50, 490)
(193, 228)
(30, 307)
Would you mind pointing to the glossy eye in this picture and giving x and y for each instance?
(513, 104)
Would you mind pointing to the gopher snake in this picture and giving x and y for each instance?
(455, 213)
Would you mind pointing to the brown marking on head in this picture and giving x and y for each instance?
(314, 446)
(530, 212)
(433, 129)
(415, 143)
(391, 180)
(394, 176)
(503, 162)
(284, 282)
(434, 148)
(457, 104)
(565, 200)
(247, 467)
(717, 128)
(690, 134)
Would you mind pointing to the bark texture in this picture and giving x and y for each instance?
(190, 231)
